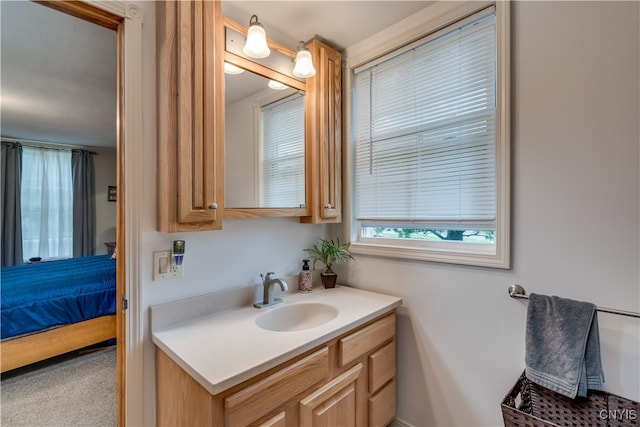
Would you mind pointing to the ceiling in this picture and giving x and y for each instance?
(59, 73)
(341, 24)
(58, 77)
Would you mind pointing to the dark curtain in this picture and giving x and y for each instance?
(10, 213)
(84, 203)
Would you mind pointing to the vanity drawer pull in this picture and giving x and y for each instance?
(367, 339)
(257, 400)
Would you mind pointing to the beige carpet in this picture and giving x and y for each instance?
(66, 391)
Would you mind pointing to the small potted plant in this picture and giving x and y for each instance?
(329, 252)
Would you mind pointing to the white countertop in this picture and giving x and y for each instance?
(224, 349)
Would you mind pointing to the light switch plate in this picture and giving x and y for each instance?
(163, 267)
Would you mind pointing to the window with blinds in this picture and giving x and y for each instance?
(47, 203)
(424, 126)
(282, 159)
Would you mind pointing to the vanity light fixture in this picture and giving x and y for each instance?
(276, 85)
(256, 45)
(303, 64)
(232, 69)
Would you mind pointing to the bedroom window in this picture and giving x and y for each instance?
(429, 150)
(282, 163)
(47, 203)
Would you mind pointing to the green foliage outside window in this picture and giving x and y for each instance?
(479, 236)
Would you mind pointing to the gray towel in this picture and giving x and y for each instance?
(563, 345)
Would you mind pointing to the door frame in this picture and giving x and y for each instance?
(126, 19)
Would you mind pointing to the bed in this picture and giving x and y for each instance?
(50, 308)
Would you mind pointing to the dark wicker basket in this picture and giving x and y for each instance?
(530, 405)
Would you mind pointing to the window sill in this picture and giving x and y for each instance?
(453, 253)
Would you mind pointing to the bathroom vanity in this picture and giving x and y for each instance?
(326, 358)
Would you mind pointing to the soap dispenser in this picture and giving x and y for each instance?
(304, 284)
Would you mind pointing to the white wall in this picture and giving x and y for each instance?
(105, 166)
(575, 150)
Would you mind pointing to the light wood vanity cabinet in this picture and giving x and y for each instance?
(348, 381)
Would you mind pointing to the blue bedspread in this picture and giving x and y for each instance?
(39, 296)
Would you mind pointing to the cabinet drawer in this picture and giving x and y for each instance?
(259, 399)
(382, 406)
(382, 366)
(367, 339)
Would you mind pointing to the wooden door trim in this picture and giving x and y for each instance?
(84, 11)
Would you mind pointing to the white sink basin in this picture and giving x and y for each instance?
(297, 317)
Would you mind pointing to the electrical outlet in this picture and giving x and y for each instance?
(164, 268)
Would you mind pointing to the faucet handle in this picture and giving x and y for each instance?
(266, 278)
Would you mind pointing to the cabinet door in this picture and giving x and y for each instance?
(334, 404)
(190, 117)
(324, 111)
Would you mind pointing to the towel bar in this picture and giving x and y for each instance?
(517, 291)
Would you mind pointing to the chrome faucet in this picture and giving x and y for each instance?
(267, 285)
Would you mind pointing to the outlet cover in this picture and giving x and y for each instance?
(164, 268)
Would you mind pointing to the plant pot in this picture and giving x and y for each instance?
(328, 280)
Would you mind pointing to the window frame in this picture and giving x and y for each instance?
(429, 20)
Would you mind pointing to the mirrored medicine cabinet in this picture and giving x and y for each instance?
(205, 176)
(265, 144)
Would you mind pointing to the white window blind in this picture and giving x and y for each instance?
(425, 133)
(283, 183)
(47, 203)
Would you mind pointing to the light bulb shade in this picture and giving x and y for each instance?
(232, 69)
(304, 65)
(276, 85)
(256, 45)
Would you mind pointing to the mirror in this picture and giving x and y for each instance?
(264, 143)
